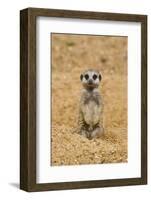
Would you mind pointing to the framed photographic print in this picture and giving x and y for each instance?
(83, 99)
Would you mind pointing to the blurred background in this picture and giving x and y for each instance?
(70, 56)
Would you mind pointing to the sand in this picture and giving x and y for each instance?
(71, 55)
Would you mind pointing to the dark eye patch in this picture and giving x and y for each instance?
(86, 76)
(94, 76)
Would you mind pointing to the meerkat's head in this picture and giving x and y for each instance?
(90, 79)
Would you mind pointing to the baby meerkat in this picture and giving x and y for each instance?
(91, 106)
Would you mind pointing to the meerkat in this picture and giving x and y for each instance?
(90, 119)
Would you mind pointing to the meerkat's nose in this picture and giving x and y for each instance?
(90, 81)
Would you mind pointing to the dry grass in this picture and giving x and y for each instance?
(71, 55)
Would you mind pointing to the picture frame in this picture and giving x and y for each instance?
(28, 98)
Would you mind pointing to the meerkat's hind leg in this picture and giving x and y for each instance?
(84, 133)
(97, 132)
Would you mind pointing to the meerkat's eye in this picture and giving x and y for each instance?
(86, 76)
(94, 76)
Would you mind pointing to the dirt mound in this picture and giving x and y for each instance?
(70, 148)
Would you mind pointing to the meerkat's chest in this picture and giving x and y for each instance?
(92, 111)
(91, 108)
(92, 100)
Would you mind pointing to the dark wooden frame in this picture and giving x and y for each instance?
(28, 98)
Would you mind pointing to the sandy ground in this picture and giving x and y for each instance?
(71, 55)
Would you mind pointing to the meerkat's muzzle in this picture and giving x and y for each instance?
(90, 82)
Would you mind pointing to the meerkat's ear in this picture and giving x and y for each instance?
(81, 77)
(100, 77)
